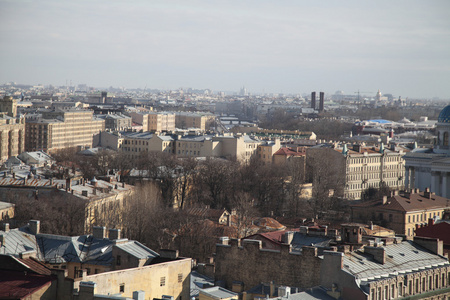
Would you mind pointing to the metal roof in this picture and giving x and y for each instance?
(406, 257)
(137, 250)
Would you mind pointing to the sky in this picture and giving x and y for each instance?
(400, 47)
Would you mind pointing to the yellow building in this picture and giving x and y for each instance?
(6, 211)
(186, 120)
(267, 149)
(161, 121)
(12, 129)
(61, 129)
(402, 212)
(361, 167)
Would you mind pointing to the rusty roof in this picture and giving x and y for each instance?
(407, 202)
(27, 182)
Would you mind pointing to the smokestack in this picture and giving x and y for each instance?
(313, 100)
(321, 99)
(99, 232)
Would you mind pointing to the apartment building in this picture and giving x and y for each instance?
(402, 212)
(59, 129)
(186, 120)
(136, 143)
(116, 122)
(12, 129)
(362, 167)
(267, 149)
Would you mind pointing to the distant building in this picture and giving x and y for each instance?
(12, 129)
(61, 129)
(363, 167)
(186, 120)
(267, 149)
(430, 168)
(116, 122)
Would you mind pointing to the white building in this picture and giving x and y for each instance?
(431, 167)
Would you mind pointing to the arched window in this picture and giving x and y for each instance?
(445, 139)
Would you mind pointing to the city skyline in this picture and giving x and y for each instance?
(401, 48)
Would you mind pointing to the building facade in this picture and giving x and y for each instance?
(430, 168)
(12, 129)
(363, 167)
(403, 212)
(56, 130)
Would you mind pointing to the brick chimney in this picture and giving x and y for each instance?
(114, 234)
(379, 253)
(99, 232)
(34, 226)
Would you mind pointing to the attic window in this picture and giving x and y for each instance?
(122, 288)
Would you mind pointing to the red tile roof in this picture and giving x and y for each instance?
(17, 285)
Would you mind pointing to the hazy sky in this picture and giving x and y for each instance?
(399, 47)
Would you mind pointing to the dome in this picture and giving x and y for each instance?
(444, 116)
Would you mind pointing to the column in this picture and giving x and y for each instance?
(433, 187)
(407, 178)
(444, 184)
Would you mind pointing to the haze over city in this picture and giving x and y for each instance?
(400, 47)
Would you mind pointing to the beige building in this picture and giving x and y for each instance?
(61, 129)
(136, 143)
(186, 120)
(12, 129)
(161, 121)
(6, 211)
(402, 212)
(362, 167)
(267, 149)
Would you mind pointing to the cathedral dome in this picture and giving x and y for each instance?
(444, 116)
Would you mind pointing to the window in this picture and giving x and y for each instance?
(162, 281)
(417, 285)
(423, 284)
(400, 289)
(392, 291)
(122, 288)
(180, 277)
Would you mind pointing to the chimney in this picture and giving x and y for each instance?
(228, 220)
(430, 222)
(288, 236)
(384, 200)
(2, 241)
(272, 289)
(6, 227)
(427, 194)
(114, 234)
(139, 295)
(84, 193)
(87, 290)
(433, 244)
(68, 184)
(379, 253)
(34, 226)
(224, 240)
(99, 232)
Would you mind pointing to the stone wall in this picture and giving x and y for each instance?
(252, 265)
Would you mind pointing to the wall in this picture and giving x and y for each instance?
(253, 265)
(147, 279)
